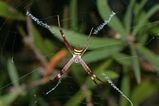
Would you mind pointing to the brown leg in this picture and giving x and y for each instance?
(69, 47)
(63, 71)
(86, 45)
(90, 73)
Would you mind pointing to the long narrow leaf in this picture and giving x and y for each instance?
(100, 54)
(105, 11)
(135, 63)
(128, 16)
(144, 19)
(75, 39)
(73, 12)
(140, 7)
(125, 86)
(155, 31)
(45, 46)
(123, 59)
(149, 56)
(143, 91)
(13, 73)
(78, 97)
(8, 99)
(9, 12)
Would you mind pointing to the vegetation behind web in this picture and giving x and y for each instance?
(126, 50)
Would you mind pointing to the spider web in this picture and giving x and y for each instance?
(38, 99)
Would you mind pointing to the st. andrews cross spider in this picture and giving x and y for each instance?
(77, 54)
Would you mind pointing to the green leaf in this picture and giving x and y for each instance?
(144, 19)
(144, 32)
(105, 65)
(9, 12)
(140, 6)
(73, 15)
(112, 74)
(66, 15)
(41, 101)
(155, 31)
(102, 69)
(75, 39)
(77, 73)
(35, 76)
(105, 11)
(6, 100)
(143, 91)
(21, 31)
(128, 16)
(45, 46)
(123, 59)
(149, 56)
(75, 99)
(13, 72)
(125, 88)
(135, 63)
(143, 38)
(9, 98)
(100, 54)
(79, 97)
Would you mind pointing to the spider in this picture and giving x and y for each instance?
(77, 54)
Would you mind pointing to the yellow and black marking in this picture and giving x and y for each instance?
(77, 51)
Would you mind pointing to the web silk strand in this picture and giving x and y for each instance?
(38, 21)
(101, 26)
(117, 89)
(59, 81)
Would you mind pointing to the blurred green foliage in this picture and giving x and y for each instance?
(125, 55)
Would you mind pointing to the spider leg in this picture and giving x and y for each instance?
(63, 71)
(90, 72)
(86, 45)
(69, 47)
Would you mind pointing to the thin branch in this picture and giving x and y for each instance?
(29, 41)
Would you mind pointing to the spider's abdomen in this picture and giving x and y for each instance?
(77, 55)
(77, 51)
